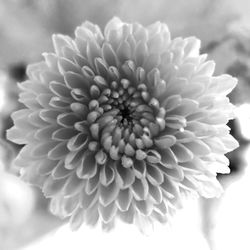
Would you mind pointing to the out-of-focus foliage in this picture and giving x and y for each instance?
(232, 55)
(9, 92)
(26, 25)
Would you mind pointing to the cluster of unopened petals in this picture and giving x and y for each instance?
(123, 124)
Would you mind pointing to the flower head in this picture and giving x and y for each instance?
(122, 124)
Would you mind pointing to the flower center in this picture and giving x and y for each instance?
(125, 114)
(123, 119)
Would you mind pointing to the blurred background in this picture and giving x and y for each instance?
(223, 26)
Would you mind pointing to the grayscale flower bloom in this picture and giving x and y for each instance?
(123, 124)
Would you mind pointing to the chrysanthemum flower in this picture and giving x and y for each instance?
(122, 124)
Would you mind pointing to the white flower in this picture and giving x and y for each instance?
(122, 124)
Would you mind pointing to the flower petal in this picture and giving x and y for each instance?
(140, 189)
(107, 174)
(124, 199)
(88, 167)
(108, 193)
(73, 186)
(182, 153)
(107, 212)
